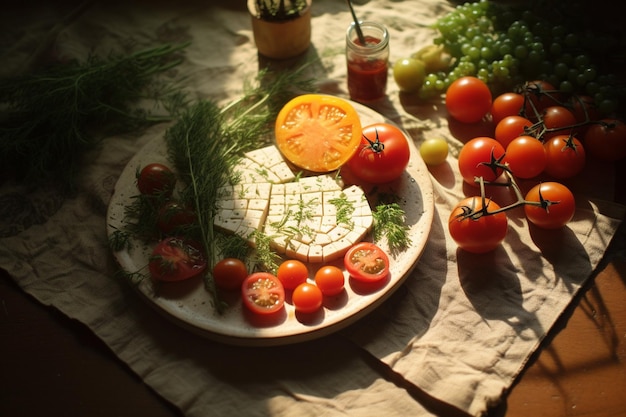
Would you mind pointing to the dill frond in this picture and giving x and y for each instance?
(389, 223)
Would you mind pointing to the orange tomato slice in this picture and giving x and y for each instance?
(318, 133)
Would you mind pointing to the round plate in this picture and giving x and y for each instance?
(188, 304)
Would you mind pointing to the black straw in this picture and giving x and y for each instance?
(359, 32)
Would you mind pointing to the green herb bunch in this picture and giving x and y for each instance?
(278, 10)
(51, 117)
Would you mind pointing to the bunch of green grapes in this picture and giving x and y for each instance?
(505, 47)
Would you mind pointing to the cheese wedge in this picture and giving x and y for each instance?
(312, 219)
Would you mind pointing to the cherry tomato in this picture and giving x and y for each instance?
(477, 235)
(606, 139)
(292, 273)
(263, 293)
(557, 205)
(511, 127)
(557, 120)
(409, 74)
(506, 104)
(330, 280)
(307, 298)
(383, 154)
(468, 99)
(434, 151)
(174, 217)
(475, 156)
(584, 108)
(565, 156)
(176, 259)
(366, 262)
(526, 157)
(229, 273)
(155, 179)
(539, 95)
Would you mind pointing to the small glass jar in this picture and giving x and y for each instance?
(368, 65)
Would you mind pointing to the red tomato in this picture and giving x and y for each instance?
(263, 293)
(506, 104)
(382, 155)
(557, 120)
(477, 158)
(176, 259)
(307, 298)
(511, 127)
(584, 108)
(565, 156)
(552, 205)
(155, 179)
(330, 280)
(366, 262)
(606, 140)
(229, 273)
(526, 157)
(292, 273)
(477, 233)
(174, 217)
(539, 95)
(468, 99)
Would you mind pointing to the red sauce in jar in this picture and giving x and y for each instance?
(367, 78)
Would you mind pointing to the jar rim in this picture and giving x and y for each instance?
(351, 31)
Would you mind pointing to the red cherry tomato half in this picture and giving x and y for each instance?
(366, 262)
(476, 158)
(155, 179)
(557, 205)
(565, 156)
(606, 140)
(468, 99)
(176, 259)
(307, 298)
(292, 273)
(382, 155)
(229, 274)
(330, 280)
(478, 234)
(526, 157)
(263, 293)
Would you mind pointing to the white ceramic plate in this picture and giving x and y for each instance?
(188, 304)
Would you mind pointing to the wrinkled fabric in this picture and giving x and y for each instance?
(459, 330)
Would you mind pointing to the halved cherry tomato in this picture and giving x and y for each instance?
(229, 273)
(263, 293)
(156, 178)
(317, 132)
(557, 205)
(382, 155)
(366, 262)
(477, 233)
(176, 259)
(330, 280)
(292, 273)
(307, 298)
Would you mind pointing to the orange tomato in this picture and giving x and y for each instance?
(318, 133)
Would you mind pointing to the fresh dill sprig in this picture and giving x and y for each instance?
(49, 118)
(389, 223)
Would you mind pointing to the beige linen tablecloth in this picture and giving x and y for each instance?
(459, 330)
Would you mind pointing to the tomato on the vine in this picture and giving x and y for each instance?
(606, 139)
(156, 179)
(229, 273)
(330, 280)
(539, 95)
(382, 155)
(307, 298)
(506, 104)
(366, 262)
(558, 120)
(176, 259)
(554, 205)
(565, 156)
(263, 293)
(526, 157)
(477, 157)
(511, 127)
(475, 231)
(468, 99)
(174, 217)
(292, 273)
